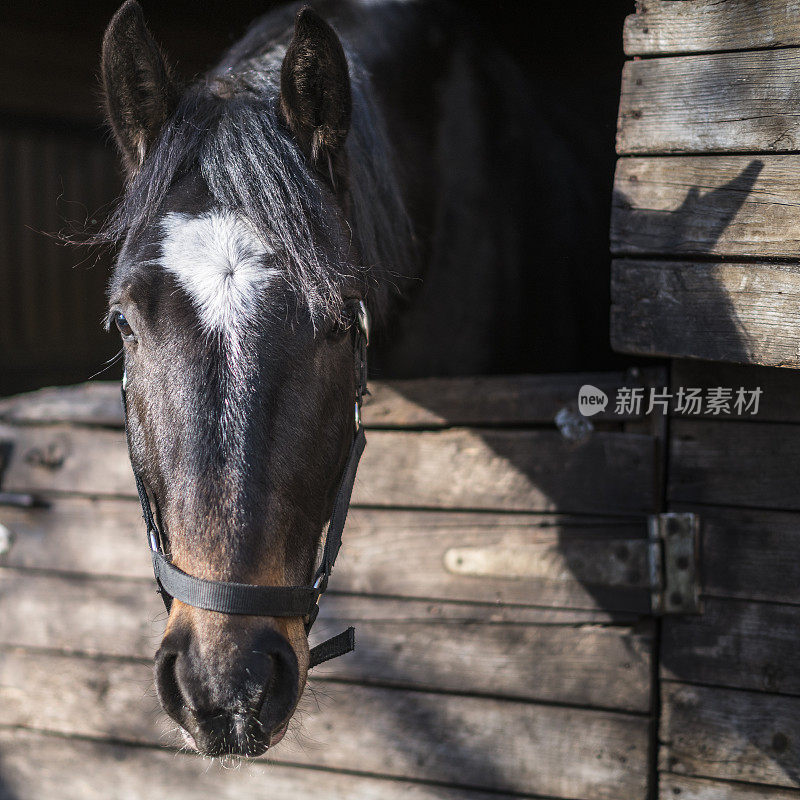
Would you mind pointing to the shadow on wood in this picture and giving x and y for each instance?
(676, 309)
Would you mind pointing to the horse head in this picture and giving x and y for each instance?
(232, 292)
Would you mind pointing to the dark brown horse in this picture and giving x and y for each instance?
(357, 151)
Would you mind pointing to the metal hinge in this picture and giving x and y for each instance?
(674, 563)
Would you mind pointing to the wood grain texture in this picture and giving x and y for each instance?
(425, 403)
(62, 458)
(37, 766)
(480, 649)
(78, 534)
(720, 103)
(730, 734)
(707, 205)
(780, 388)
(660, 27)
(672, 787)
(735, 463)
(562, 752)
(110, 616)
(734, 643)
(390, 552)
(96, 403)
(460, 469)
(746, 553)
(488, 400)
(588, 666)
(509, 470)
(745, 313)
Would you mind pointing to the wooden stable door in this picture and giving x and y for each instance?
(498, 566)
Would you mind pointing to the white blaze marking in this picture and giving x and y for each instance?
(220, 262)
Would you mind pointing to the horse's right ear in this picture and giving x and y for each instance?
(138, 86)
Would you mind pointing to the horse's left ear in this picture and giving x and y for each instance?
(315, 92)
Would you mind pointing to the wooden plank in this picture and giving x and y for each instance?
(708, 25)
(479, 649)
(735, 463)
(746, 552)
(671, 787)
(582, 666)
(112, 616)
(36, 766)
(707, 205)
(66, 459)
(563, 752)
(780, 388)
(569, 560)
(746, 313)
(725, 102)
(92, 403)
(78, 534)
(510, 470)
(730, 734)
(500, 470)
(427, 403)
(735, 643)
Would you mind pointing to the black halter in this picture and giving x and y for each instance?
(270, 601)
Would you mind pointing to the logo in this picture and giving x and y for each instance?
(591, 400)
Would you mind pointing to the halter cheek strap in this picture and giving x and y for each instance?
(270, 601)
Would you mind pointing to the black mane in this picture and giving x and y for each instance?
(226, 125)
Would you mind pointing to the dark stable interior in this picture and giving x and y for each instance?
(571, 54)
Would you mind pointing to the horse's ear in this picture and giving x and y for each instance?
(139, 89)
(315, 91)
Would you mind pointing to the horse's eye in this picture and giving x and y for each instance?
(123, 326)
(337, 329)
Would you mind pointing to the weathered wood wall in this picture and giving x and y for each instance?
(468, 678)
(706, 191)
(705, 239)
(730, 713)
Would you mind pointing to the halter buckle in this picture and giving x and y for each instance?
(153, 540)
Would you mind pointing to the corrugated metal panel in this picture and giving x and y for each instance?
(51, 294)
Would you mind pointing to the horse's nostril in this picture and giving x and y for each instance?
(168, 686)
(281, 693)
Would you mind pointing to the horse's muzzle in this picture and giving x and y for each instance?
(231, 698)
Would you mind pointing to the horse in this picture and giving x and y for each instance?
(340, 153)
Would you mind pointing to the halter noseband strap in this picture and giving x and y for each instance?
(270, 601)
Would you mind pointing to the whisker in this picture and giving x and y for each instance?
(108, 364)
